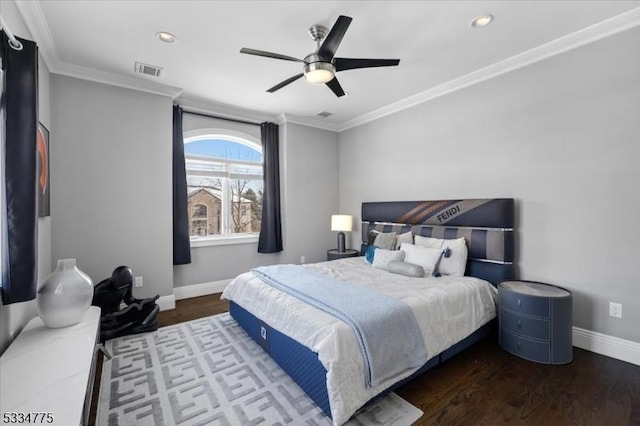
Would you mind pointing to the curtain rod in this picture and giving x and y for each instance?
(221, 118)
(13, 42)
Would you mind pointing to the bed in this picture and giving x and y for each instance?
(319, 351)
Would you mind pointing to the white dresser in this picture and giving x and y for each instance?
(51, 370)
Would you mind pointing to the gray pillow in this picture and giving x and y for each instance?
(404, 268)
(385, 240)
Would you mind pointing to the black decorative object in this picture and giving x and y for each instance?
(139, 315)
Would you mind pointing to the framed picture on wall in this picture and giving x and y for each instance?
(43, 171)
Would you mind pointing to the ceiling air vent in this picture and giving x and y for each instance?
(324, 114)
(151, 70)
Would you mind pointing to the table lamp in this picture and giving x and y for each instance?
(341, 223)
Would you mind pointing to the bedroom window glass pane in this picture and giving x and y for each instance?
(246, 205)
(224, 183)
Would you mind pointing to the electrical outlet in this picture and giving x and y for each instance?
(303, 259)
(615, 310)
(138, 281)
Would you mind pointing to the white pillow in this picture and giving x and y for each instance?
(426, 257)
(428, 241)
(454, 265)
(407, 237)
(382, 257)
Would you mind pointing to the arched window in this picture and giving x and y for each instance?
(224, 169)
(199, 210)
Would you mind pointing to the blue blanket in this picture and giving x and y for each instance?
(386, 329)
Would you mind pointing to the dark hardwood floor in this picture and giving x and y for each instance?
(485, 385)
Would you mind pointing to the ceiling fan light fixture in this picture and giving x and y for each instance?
(481, 21)
(166, 37)
(319, 72)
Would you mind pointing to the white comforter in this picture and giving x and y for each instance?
(447, 309)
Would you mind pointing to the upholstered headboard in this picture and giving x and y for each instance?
(486, 224)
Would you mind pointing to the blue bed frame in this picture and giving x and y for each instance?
(487, 225)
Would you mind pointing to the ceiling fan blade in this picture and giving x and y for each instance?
(335, 87)
(269, 55)
(284, 83)
(331, 43)
(343, 64)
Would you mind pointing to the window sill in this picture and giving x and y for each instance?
(224, 241)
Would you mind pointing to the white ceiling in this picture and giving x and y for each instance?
(433, 39)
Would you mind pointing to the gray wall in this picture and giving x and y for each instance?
(111, 181)
(14, 317)
(309, 191)
(310, 179)
(560, 136)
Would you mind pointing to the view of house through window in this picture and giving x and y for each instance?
(224, 184)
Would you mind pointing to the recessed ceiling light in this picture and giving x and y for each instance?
(481, 21)
(166, 37)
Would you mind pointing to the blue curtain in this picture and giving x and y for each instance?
(181, 244)
(20, 116)
(270, 240)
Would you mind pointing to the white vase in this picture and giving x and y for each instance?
(64, 296)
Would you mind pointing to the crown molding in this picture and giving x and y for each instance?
(134, 83)
(307, 121)
(36, 23)
(606, 28)
(228, 111)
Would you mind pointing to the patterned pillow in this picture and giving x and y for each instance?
(382, 257)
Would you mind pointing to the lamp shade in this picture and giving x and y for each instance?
(341, 222)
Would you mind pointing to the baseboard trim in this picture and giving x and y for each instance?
(197, 290)
(603, 344)
(167, 303)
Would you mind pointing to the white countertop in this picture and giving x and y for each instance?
(47, 369)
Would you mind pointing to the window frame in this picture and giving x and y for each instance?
(240, 138)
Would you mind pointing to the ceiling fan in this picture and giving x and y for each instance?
(321, 66)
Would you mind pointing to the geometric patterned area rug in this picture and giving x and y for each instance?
(210, 372)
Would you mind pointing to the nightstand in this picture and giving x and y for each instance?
(335, 254)
(535, 321)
